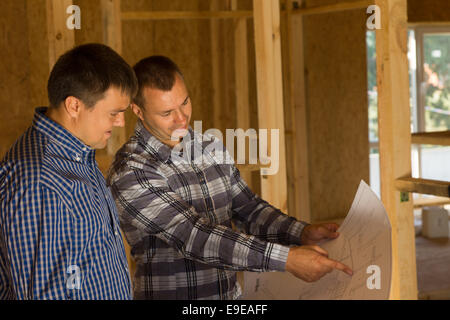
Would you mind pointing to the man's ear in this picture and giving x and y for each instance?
(72, 106)
(137, 111)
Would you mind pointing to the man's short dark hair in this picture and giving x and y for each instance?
(86, 72)
(156, 72)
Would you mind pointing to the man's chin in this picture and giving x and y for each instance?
(100, 145)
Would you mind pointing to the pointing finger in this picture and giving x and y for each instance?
(339, 266)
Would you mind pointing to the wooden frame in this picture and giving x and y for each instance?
(441, 138)
(423, 186)
(395, 137)
(395, 142)
(270, 93)
(296, 124)
(112, 37)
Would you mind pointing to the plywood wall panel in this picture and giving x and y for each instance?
(91, 22)
(336, 94)
(38, 48)
(22, 73)
(429, 10)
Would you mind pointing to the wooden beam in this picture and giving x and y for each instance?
(341, 6)
(395, 142)
(270, 94)
(112, 24)
(112, 37)
(216, 68)
(441, 138)
(432, 201)
(242, 84)
(60, 38)
(182, 15)
(296, 124)
(423, 186)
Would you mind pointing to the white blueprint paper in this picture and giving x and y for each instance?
(364, 244)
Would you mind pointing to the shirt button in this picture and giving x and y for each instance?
(116, 233)
(84, 149)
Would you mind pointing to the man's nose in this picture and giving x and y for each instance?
(180, 117)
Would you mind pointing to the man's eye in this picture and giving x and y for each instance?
(166, 114)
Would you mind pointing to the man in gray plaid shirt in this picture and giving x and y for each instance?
(177, 201)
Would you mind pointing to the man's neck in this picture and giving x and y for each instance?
(56, 115)
(168, 142)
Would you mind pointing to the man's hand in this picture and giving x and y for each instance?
(310, 263)
(314, 233)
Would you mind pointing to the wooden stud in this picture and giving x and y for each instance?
(395, 142)
(112, 37)
(296, 130)
(216, 68)
(112, 24)
(270, 93)
(242, 82)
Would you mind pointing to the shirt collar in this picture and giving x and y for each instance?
(155, 146)
(79, 151)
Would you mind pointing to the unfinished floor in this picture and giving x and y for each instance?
(433, 266)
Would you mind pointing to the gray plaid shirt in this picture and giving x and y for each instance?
(176, 209)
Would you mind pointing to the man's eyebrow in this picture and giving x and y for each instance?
(122, 109)
(171, 109)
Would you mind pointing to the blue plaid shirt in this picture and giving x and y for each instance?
(60, 236)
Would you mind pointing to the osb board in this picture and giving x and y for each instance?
(91, 22)
(23, 67)
(337, 115)
(429, 10)
(39, 70)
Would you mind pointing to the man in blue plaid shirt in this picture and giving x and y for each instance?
(177, 201)
(60, 236)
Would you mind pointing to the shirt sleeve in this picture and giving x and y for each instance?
(145, 201)
(33, 252)
(254, 216)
